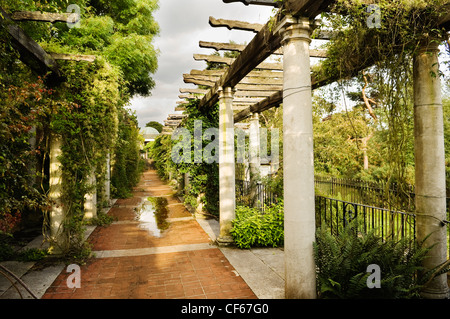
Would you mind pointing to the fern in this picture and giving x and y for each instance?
(342, 262)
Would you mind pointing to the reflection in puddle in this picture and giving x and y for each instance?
(152, 216)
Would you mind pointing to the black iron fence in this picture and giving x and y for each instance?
(254, 195)
(387, 224)
(392, 196)
(337, 213)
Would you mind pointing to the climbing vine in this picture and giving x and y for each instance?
(87, 111)
(390, 46)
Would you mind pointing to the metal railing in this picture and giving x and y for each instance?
(337, 213)
(387, 224)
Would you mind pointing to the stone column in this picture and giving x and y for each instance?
(299, 204)
(254, 156)
(90, 198)
(430, 163)
(57, 212)
(227, 197)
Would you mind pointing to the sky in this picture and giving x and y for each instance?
(183, 23)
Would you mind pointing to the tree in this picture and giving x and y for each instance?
(156, 125)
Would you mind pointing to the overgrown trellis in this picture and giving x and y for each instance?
(80, 128)
(241, 92)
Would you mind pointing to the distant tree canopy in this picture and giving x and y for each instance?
(156, 125)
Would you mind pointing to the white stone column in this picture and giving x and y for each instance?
(254, 156)
(227, 196)
(90, 198)
(299, 204)
(430, 163)
(57, 212)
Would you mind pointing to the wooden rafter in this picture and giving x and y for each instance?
(240, 47)
(257, 74)
(45, 16)
(230, 61)
(73, 57)
(265, 42)
(246, 80)
(31, 53)
(272, 3)
(235, 25)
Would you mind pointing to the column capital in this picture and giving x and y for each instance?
(293, 28)
(226, 92)
(429, 44)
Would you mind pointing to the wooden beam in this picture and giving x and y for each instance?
(246, 80)
(211, 80)
(258, 74)
(73, 57)
(235, 25)
(265, 42)
(193, 91)
(218, 46)
(305, 8)
(31, 53)
(177, 116)
(230, 61)
(272, 3)
(240, 47)
(45, 16)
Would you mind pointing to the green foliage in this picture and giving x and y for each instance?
(87, 110)
(32, 254)
(21, 108)
(342, 263)
(251, 228)
(204, 177)
(160, 152)
(6, 251)
(156, 125)
(128, 164)
(101, 220)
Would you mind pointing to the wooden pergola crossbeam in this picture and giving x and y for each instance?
(31, 53)
(246, 80)
(230, 61)
(45, 16)
(235, 25)
(193, 91)
(257, 74)
(272, 3)
(73, 57)
(240, 47)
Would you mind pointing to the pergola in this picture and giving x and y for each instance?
(250, 85)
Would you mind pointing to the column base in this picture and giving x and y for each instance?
(435, 294)
(225, 241)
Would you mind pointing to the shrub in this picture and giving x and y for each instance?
(252, 228)
(342, 262)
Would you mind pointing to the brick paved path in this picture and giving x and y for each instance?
(133, 263)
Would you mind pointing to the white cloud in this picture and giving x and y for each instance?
(183, 24)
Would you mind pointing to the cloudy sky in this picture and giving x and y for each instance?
(183, 24)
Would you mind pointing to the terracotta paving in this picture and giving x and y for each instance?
(186, 273)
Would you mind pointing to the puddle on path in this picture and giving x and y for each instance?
(152, 215)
